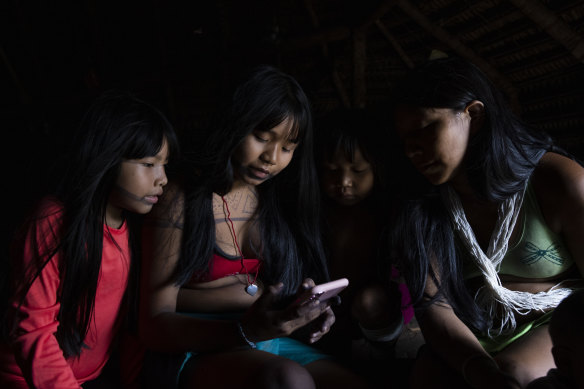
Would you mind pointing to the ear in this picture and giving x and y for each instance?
(476, 110)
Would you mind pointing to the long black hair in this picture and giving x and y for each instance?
(288, 210)
(117, 126)
(499, 161)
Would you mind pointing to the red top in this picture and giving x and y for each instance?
(220, 267)
(35, 355)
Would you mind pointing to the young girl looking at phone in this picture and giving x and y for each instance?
(233, 245)
(492, 244)
(352, 153)
(74, 264)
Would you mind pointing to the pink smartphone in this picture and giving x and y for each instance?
(325, 291)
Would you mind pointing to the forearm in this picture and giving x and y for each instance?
(456, 344)
(230, 296)
(448, 337)
(41, 359)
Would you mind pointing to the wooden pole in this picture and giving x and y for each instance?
(377, 14)
(335, 77)
(395, 44)
(359, 65)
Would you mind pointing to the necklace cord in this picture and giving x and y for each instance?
(237, 245)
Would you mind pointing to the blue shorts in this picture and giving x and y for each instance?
(161, 369)
(284, 347)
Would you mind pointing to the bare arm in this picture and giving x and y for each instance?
(456, 344)
(161, 327)
(224, 294)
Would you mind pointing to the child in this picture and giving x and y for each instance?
(230, 248)
(568, 342)
(73, 266)
(352, 153)
(488, 246)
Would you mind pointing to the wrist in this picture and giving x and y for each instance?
(251, 344)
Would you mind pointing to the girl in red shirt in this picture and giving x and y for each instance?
(72, 262)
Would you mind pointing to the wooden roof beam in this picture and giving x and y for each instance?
(359, 67)
(377, 14)
(461, 49)
(336, 33)
(395, 44)
(359, 38)
(553, 25)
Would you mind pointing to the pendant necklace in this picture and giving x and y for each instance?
(251, 287)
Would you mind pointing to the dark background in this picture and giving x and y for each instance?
(56, 56)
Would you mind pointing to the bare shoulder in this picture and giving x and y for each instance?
(559, 185)
(556, 172)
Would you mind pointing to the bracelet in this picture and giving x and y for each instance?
(472, 358)
(249, 342)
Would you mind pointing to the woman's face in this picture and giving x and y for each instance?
(263, 154)
(347, 182)
(435, 140)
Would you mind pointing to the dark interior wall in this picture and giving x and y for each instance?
(57, 56)
(63, 53)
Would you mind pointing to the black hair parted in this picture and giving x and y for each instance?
(288, 210)
(347, 130)
(264, 98)
(117, 126)
(502, 155)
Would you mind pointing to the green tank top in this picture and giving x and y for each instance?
(539, 252)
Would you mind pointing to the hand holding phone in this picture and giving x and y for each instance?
(325, 291)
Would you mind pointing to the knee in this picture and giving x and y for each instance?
(520, 371)
(285, 374)
(370, 304)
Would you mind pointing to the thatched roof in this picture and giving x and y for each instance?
(533, 50)
(344, 52)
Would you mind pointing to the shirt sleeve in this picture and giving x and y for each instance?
(35, 346)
